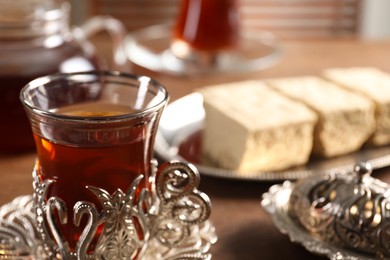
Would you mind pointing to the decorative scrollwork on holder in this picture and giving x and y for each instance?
(183, 211)
(169, 221)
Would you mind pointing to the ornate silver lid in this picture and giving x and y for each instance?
(349, 210)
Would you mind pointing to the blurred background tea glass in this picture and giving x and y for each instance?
(36, 40)
(205, 30)
(91, 129)
(206, 37)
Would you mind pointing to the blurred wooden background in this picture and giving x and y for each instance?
(296, 19)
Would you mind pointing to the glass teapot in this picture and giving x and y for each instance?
(35, 40)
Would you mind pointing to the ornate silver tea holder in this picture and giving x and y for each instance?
(172, 217)
(343, 214)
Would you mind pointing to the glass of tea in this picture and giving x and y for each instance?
(205, 30)
(92, 129)
(206, 38)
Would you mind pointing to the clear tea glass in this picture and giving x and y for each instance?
(92, 129)
(204, 28)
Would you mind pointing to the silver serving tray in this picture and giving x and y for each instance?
(182, 122)
(275, 202)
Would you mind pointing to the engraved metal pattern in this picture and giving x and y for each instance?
(18, 236)
(120, 239)
(345, 215)
(276, 203)
(171, 222)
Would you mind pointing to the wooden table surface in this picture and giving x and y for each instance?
(244, 229)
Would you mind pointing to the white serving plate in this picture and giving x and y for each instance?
(178, 138)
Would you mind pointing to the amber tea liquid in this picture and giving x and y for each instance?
(208, 25)
(110, 163)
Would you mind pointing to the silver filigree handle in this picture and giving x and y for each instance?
(182, 204)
